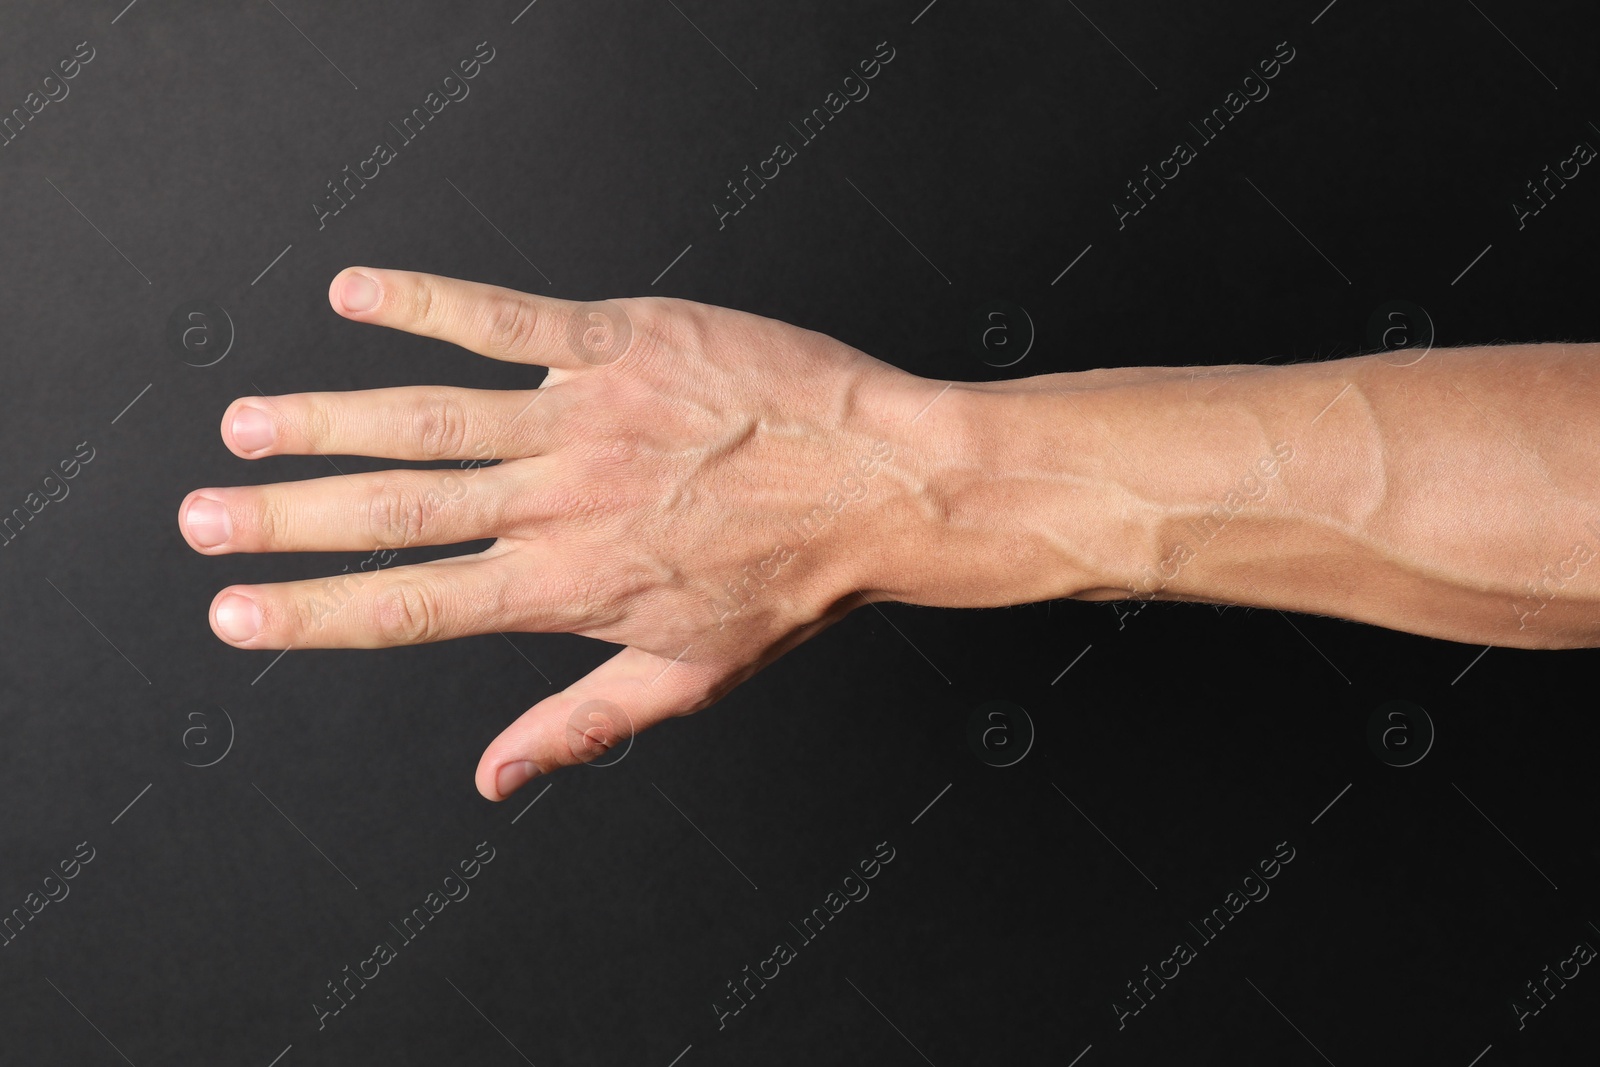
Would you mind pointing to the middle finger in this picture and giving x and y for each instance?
(357, 512)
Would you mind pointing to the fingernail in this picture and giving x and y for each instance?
(238, 617)
(208, 523)
(252, 429)
(359, 293)
(513, 776)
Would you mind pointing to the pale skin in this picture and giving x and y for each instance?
(708, 489)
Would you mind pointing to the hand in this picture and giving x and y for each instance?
(705, 487)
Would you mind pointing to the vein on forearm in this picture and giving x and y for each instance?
(1450, 498)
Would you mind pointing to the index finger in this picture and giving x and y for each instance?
(487, 319)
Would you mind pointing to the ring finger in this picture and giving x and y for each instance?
(410, 422)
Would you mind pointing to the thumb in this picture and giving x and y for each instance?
(596, 715)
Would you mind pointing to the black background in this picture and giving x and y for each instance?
(1195, 738)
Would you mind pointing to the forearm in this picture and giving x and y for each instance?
(1458, 497)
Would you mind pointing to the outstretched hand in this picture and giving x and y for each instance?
(704, 487)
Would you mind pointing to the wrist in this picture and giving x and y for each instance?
(999, 494)
(1142, 483)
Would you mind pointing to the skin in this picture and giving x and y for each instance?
(708, 489)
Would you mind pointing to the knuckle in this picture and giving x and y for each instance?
(572, 596)
(595, 727)
(591, 597)
(616, 450)
(398, 517)
(510, 325)
(266, 520)
(407, 613)
(581, 499)
(666, 324)
(425, 304)
(314, 423)
(439, 426)
(309, 613)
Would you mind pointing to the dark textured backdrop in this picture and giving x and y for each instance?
(1179, 750)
